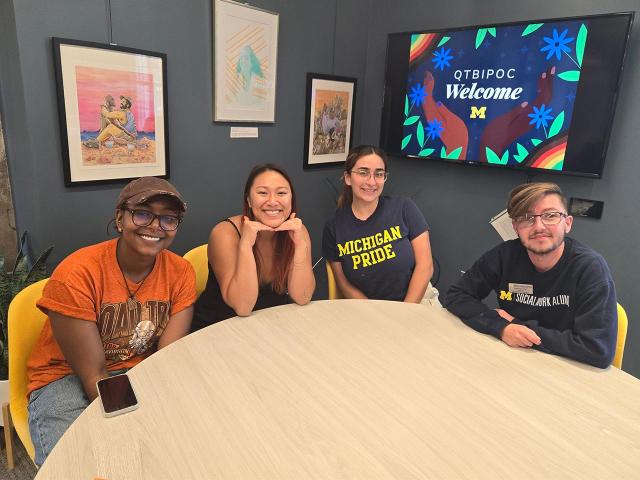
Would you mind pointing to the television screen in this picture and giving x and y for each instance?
(535, 95)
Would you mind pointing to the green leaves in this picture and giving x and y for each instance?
(532, 27)
(406, 105)
(443, 41)
(411, 120)
(482, 33)
(522, 153)
(581, 41)
(536, 142)
(11, 283)
(556, 126)
(405, 141)
(570, 75)
(420, 134)
(426, 152)
(453, 155)
(492, 157)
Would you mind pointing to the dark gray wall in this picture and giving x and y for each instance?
(344, 37)
(459, 200)
(207, 166)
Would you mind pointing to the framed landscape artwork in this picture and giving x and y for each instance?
(112, 104)
(244, 63)
(329, 119)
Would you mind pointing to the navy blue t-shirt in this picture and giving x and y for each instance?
(376, 254)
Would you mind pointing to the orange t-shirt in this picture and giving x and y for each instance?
(88, 285)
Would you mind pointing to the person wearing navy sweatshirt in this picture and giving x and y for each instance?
(555, 294)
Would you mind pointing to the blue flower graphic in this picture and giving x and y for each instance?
(442, 58)
(434, 128)
(540, 116)
(417, 94)
(557, 44)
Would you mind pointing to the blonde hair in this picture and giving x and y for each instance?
(525, 196)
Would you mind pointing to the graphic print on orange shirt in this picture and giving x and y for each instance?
(134, 331)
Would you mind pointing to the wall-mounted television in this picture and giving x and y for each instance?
(536, 95)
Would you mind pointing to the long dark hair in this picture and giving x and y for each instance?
(355, 154)
(283, 253)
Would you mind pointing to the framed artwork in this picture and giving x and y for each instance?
(329, 119)
(112, 104)
(245, 57)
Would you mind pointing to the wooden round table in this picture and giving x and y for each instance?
(358, 389)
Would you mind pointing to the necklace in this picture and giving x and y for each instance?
(131, 301)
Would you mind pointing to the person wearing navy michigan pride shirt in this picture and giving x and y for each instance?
(377, 246)
(555, 293)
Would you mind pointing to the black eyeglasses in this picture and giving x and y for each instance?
(144, 218)
(547, 218)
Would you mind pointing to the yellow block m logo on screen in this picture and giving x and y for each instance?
(505, 295)
(478, 112)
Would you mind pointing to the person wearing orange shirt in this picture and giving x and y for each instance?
(108, 307)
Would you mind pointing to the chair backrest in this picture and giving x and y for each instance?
(622, 337)
(199, 259)
(332, 286)
(25, 324)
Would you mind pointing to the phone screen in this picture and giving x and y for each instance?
(116, 393)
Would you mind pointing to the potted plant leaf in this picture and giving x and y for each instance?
(24, 273)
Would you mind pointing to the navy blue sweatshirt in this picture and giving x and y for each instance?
(571, 307)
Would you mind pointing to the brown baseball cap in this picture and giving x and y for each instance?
(142, 189)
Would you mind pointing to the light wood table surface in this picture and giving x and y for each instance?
(358, 389)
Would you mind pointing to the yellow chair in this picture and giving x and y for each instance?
(332, 286)
(199, 259)
(25, 324)
(622, 337)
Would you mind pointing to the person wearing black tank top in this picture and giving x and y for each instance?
(261, 258)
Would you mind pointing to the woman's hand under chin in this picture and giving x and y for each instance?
(293, 225)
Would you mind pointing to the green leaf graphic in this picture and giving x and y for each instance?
(492, 157)
(426, 152)
(411, 120)
(406, 106)
(420, 134)
(580, 43)
(556, 126)
(522, 153)
(505, 158)
(570, 75)
(492, 31)
(443, 41)
(480, 36)
(405, 141)
(536, 142)
(443, 152)
(531, 28)
(455, 154)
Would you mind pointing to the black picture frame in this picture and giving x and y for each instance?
(329, 120)
(131, 140)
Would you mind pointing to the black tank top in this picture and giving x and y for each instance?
(210, 307)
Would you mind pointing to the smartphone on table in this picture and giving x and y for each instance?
(116, 395)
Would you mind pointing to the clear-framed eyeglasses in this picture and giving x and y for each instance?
(144, 218)
(547, 218)
(379, 174)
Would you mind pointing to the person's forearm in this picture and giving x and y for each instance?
(474, 312)
(348, 290)
(242, 292)
(418, 284)
(301, 282)
(82, 348)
